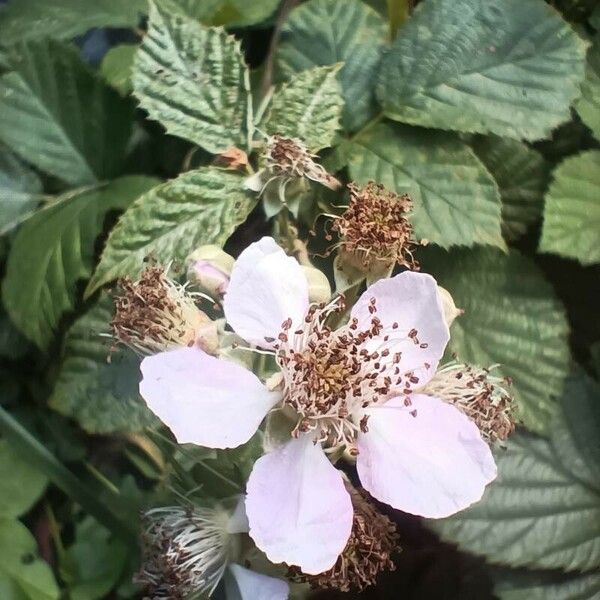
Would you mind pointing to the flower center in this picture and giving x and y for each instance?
(330, 376)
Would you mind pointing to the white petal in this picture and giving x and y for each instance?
(204, 400)
(433, 464)
(412, 301)
(299, 510)
(245, 584)
(266, 288)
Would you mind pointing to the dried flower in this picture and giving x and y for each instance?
(369, 551)
(478, 394)
(154, 314)
(375, 232)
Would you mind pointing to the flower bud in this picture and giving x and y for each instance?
(319, 289)
(450, 309)
(209, 268)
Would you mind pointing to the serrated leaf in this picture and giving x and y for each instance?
(543, 510)
(542, 585)
(167, 223)
(588, 106)
(572, 212)
(512, 68)
(521, 174)
(24, 20)
(456, 201)
(21, 485)
(117, 67)
(325, 32)
(308, 107)
(192, 79)
(54, 249)
(20, 190)
(21, 570)
(512, 317)
(57, 115)
(232, 13)
(97, 385)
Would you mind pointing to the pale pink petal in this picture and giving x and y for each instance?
(265, 289)
(298, 508)
(245, 584)
(204, 400)
(431, 463)
(413, 302)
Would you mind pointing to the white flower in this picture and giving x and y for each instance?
(350, 389)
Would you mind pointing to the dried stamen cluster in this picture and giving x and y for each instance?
(375, 231)
(479, 395)
(290, 158)
(184, 552)
(369, 551)
(329, 375)
(155, 314)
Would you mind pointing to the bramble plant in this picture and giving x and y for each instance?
(300, 299)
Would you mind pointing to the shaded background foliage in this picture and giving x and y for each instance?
(487, 113)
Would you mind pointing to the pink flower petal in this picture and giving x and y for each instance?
(412, 301)
(245, 584)
(298, 508)
(433, 464)
(204, 400)
(266, 288)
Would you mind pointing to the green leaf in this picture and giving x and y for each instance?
(117, 67)
(23, 20)
(543, 510)
(513, 318)
(193, 80)
(512, 68)
(456, 201)
(308, 107)
(232, 13)
(13, 345)
(541, 585)
(93, 564)
(97, 385)
(588, 106)
(56, 114)
(199, 207)
(326, 32)
(54, 249)
(572, 213)
(30, 578)
(522, 176)
(20, 190)
(20, 484)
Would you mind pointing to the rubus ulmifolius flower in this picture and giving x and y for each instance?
(351, 390)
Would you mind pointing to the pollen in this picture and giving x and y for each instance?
(154, 314)
(369, 551)
(375, 230)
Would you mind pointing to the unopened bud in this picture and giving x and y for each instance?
(319, 289)
(209, 268)
(450, 309)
